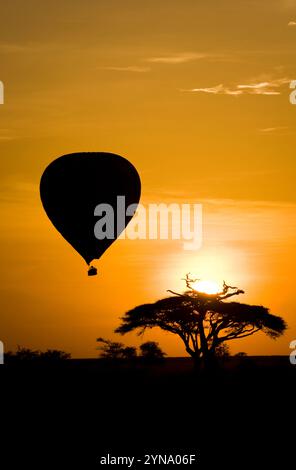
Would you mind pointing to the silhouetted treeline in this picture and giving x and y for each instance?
(115, 351)
(26, 355)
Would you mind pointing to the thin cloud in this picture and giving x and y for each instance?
(292, 23)
(178, 58)
(271, 129)
(11, 48)
(254, 85)
(16, 191)
(32, 47)
(271, 87)
(6, 137)
(278, 131)
(129, 68)
(6, 134)
(216, 90)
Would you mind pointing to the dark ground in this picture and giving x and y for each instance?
(68, 415)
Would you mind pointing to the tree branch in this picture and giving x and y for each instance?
(229, 337)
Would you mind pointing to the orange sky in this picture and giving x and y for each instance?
(196, 96)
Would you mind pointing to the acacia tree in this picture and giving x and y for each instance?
(203, 321)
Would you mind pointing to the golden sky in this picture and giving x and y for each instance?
(196, 95)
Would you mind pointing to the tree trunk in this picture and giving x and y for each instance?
(197, 362)
(210, 362)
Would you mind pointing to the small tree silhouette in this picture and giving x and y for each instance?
(115, 351)
(54, 355)
(150, 351)
(203, 321)
(129, 352)
(25, 354)
(222, 351)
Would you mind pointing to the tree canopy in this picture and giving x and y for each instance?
(203, 321)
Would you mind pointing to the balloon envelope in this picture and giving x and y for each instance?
(74, 184)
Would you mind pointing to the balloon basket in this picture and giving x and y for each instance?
(92, 271)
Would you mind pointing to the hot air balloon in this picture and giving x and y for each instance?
(73, 185)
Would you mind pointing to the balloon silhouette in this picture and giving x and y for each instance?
(74, 184)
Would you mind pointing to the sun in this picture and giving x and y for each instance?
(207, 287)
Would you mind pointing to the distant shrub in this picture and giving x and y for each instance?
(222, 351)
(241, 354)
(113, 350)
(151, 351)
(27, 355)
(54, 355)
